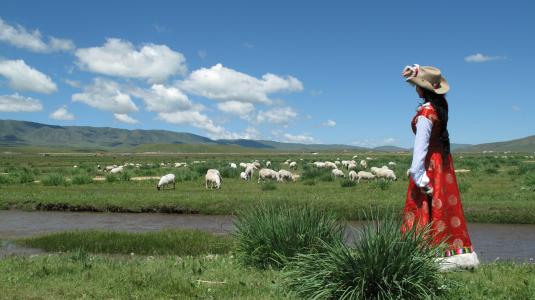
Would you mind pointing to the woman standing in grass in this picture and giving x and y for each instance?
(433, 195)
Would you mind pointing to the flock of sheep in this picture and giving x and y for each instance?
(213, 179)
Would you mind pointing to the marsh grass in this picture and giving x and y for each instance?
(167, 242)
(125, 176)
(271, 233)
(54, 180)
(111, 178)
(347, 183)
(82, 179)
(382, 263)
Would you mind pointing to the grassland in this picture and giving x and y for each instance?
(497, 189)
(80, 273)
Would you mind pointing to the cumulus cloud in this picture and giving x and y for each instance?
(195, 119)
(18, 103)
(62, 114)
(160, 98)
(224, 84)
(371, 143)
(106, 95)
(242, 109)
(32, 40)
(120, 58)
(479, 58)
(301, 138)
(72, 83)
(278, 115)
(329, 123)
(125, 118)
(22, 77)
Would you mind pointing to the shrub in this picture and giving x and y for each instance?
(54, 179)
(313, 172)
(268, 186)
(229, 172)
(82, 179)
(271, 233)
(382, 263)
(111, 178)
(347, 183)
(309, 182)
(26, 177)
(125, 176)
(4, 179)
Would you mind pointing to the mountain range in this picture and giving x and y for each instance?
(15, 133)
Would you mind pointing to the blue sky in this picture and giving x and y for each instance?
(304, 71)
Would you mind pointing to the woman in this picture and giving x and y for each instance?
(433, 195)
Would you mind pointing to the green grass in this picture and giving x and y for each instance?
(54, 180)
(76, 275)
(506, 197)
(270, 234)
(168, 242)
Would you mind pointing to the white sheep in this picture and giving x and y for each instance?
(264, 174)
(293, 165)
(338, 173)
(117, 170)
(363, 164)
(166, 180)
(214, 180)
(330, 165)
(257, 164)
(243, 176)
(109, 168)
(385, 174)
(392, 164)
(351, 166)
(364, 176)
(249, 172)
(285, 175)
(355, 156)
(319, 164)
(233, 166)
(268, 164)
(243, 165)
(295, 177)
(352, 175)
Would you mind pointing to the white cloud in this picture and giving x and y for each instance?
(302, 138)
(125, 118)
(62, 114)
(120, 58)
(106, 95)
(202, 54)
(196, 119)
(160, 98)
(479, 58)
(278, 115)
(19, 37)
(18, 103)
(73, 83)
(372, 143)
(242, 109)
(329, 123)
(220, 83)
(22, 77)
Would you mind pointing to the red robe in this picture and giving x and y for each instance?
(446, 215)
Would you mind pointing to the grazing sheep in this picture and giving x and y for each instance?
(319, 164)
(293, 165)
(249, 172)
(338, 173)
(215, 171)
(351, 166)
(363, 164)
(214, 180)
(285, 175)
(267, 174)
(243, 176)
(117, 170)
(257, 164)
(268, 164)
(392, 164)
(243, 165)
(386, 174)
(295, 177)
(330, 165)
(75, 166)
(166, 180)
(233, 166)
(109, 168)
(355, 156)
(352, 175)
(337, 162)
(345, 163)
(364, 176)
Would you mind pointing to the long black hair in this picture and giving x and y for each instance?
(441, 106)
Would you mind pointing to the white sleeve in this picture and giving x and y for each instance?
(421, 144)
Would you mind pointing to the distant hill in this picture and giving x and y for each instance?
(85, 138)
(526, 144)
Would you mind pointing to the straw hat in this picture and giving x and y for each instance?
(427, 77)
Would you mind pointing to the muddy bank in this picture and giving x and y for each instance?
(492, 241)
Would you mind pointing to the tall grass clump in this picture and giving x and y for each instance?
(382, 184)
(125, 176)
(54, 179)
(271, 233)
(4, 179)
(111, 178)
(347, 183)
(82, 179)
(382, 263)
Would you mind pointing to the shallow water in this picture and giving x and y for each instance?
(491, 241)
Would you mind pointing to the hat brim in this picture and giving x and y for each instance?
(443, 89)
